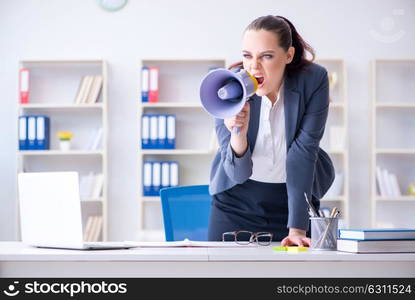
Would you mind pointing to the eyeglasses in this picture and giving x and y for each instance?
(243, 237)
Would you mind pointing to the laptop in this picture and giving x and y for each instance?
(50, 212)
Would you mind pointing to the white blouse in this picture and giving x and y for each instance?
(270, 151)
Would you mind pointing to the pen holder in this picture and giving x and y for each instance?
(324, 233)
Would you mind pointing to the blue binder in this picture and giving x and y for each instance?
(23, 140)
(42, 133)
(147, 178)
(156, 178)
(153, 132)
(31, 132)
(162, 131)
(171, 132)
(145, 132)
(145, 76)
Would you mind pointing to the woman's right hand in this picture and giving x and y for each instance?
(240, 120)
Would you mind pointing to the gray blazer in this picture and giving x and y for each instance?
(309, 169)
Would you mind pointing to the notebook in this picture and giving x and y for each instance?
(376, 246)
(377, 234)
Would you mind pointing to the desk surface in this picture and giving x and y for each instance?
(15, 251)
(18, 259)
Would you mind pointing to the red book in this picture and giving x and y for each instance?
(24, 86)
(153, 95)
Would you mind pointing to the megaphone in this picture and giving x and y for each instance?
(223, 93)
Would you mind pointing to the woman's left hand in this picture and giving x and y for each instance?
(296, 237)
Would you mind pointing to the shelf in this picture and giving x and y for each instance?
(398, 198)
(395, 151)
(58, 152)
(338, 152)
(60, 106)
(337, 105)
(330, 199)
(171, 105)
(90, 200)
(151, 199)
(175, 152)
(395, 105)
(59, 61)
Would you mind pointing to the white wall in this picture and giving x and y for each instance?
(185, 28)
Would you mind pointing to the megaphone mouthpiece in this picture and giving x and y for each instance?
(232, 91)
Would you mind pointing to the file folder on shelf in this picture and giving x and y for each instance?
(153, 132)
(165, 174)
(147, 178)
(42, 133)
(23, 140)
(24, 86)
(162, 134)
(31, 133)
(174, 173)
(171, 132)
(154, 85)
(144, 84)
(156, 178)
(145, 132)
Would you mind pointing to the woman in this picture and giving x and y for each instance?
(259, 175)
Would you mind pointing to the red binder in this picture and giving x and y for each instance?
(153, 94)
(24, 86)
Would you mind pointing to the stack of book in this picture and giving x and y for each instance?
(387, 183)
(90, 186)
(89, 90)
(93, 229)
(385, 240)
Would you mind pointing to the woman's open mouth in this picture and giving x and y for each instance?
(260, 80)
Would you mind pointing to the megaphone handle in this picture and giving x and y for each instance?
(236, 130)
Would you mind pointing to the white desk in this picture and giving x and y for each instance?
(19, 260)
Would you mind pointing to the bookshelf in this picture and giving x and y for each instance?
(335, 139)
(392, 145)
(179, 81)
(54, 85)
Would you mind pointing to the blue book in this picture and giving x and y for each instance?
(377, 234)
(42, 133)
(144, 84)
(23, 141)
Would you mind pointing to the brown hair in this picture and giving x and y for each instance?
(287, 36)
